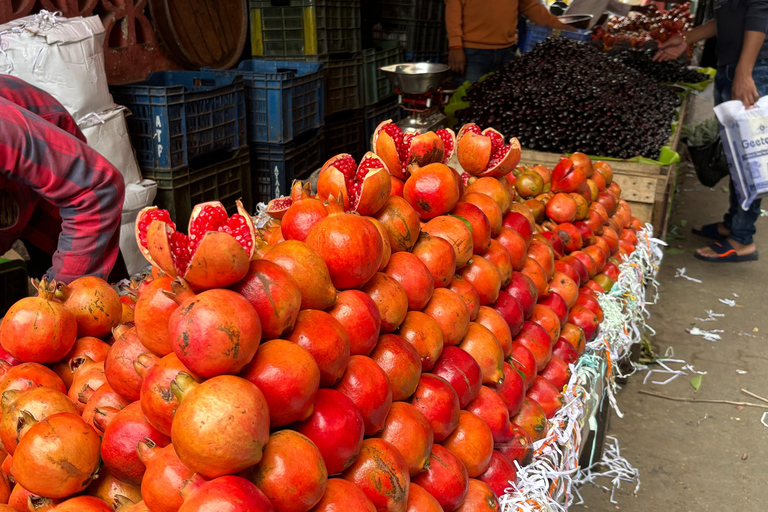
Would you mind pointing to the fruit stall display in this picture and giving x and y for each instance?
(638, 29)
(403, 340)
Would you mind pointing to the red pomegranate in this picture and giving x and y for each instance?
(468, 293)
(519, 447)
(390, 298)
(30, 375)
(511, 311)
(588, 263)
(495, 322)
(480, 498)
(547, 395)
(498, 256)
(221, 426)
(500, 475)
(39, 329)
(522, 288)
(382, 474)
(290, 486)
(567, 269)
(455, 231)
(215, 253)
(224, 494)
(401, 222)
(566, 177)
(363, 188)
(548, 319)
(413, 276)
(489, 207)
(479, 225)
(574, 335)
(303, 213)
(520, 223)
(57, 457)
(397, 186)
(512, 390)
(586, 232)
(288, 376)
(556, 304)
(215, 332)
(570, 236)
(592, 304)
(532, 419)
(578, 267)
(366, 384)
(404, 152)
(95, 304)
(565, 351)
(308, 270)
(586, 319)
(438, 401)
(432, 190)
(461, 371)
(486, 279)
(325, 338)
(153, 309)
(103, 399)
(336, 428)
(438, 256)
(446, 479)
(483, 153)
(536, 339)
(123, 362)
(489, 407)
(557, 244)
(386, 247)
(425, 335)
(400, 362)
(83, 504)
(21, 410)
(409, 431)
(448, 309)
(275, 296)
(420, 500)
(164, 476)
(343, 495)
(360, 318)
(524, 362)
(557, 372)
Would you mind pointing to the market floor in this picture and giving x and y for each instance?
(698, 456)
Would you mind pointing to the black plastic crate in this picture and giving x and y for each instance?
(14, 283)
(345, 133)
(275, 166)
(377, 114)
(377, 85)
(419, 10)
(413, 35)
(223, 176)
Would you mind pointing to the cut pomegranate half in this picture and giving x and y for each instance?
(216, 252)
(364, 188)
(449, 143)
(483, 153)
(403, 151)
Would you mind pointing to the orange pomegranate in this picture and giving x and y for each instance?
(545, 317)
(456, 232)
(341, 495)
(468, 294)
(401, 223)
(439, 258)
(390, 298)
(420, 500)
(485, 277)
(325, 338)
(410, 432)
(309, 271)
(425, 335)
(532, 419)
(537, 274)
(450, 312)
(480, 498)
(493, 189)
(413, 276)
(22, 410)
(400, 362)
(483, 346)
(489, 207)
(494, 322)
(515, 245)
(472, 443)
(382, 474)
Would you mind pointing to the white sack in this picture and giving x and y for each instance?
(107, 133)
(137, 196)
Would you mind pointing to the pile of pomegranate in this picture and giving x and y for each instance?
(639, 29)
(397, 360)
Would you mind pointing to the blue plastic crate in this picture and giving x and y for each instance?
(422, 56)
(377, 114)
(283, 99)
(534, 34)
(179, 115)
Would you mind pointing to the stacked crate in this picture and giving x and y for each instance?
(418, 25)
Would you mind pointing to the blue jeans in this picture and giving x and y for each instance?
(741, 223)
(481, 62)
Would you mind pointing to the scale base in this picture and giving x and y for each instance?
(423, 123)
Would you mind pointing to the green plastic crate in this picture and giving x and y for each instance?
(377, 85)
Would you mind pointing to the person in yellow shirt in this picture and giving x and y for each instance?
(482, 34)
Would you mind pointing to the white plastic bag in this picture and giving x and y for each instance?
(137, 196)
(744, 132)
(107, 133)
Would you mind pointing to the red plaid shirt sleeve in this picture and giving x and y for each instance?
(87, 190)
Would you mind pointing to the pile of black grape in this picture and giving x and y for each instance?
(566, 96)
(662, 72)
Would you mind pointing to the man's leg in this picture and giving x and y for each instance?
(479, 63)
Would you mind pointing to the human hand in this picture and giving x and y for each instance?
(457, 60)
(744, 88)
(671, 49)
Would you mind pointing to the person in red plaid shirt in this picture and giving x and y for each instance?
(60, 197)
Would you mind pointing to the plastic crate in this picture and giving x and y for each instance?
(179, 115)
(283, 99)
(534, 34)
(343, 84)
(281, 28)
(422, 57)
(420, 10)
(413, 35)
(346, 134)
(377, 114)
(223, 176)
(14, 284)
(377, 85)
(275, 166)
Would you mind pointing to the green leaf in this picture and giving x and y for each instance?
(683, 223)
(696, 382)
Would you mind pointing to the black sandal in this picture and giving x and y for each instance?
(726, 254)
(709, 231)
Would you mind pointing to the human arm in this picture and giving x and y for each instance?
(744, 88)
(674, 47)
(537, 13)
(457, 60)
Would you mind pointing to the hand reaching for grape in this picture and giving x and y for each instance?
(671, 49)
(457, 60)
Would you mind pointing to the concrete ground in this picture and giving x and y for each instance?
(699, 457)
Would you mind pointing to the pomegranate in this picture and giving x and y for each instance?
(28, 376)
(214, 254)
(290, 487)
(410, 432)
(114, 492)
(360, 318)
(404, 152)
(592, 304)
(480, 498)
(221, 426)
(522, 288)
(288, 376)
(587, 235)
(390, 298)
(570, 236)
(438, 401)
(336, 428)
(574, 335)
(57, 457)
(519, 447)
(349, 244)
(153, 309)
(468, 293)
(512, 390)
(39, 329)
(397, 186)
(413, 276)
(88, 377)
(557, 372)
(495, 322)
(461, 371)
(215, 332)
(483, 153)
(547, 318)
(446, 479)
(224, 494)
(567, 268)
(500, 475)
(275, 296)
(400, 362)
(362, 188)
(366, 384)
(83, 504)
(557, 305)
(164, 476)
(586, 319)
(520, 223)
(425, 335)
(455, 231)
(478, 224)
(538, 207)
(547, 395)
(564, 287)
(22, 410)
(524, 362)
(561, 208)
(401, 222)
(565, 351)
(438, 256)
(472, 443)
(382, 474)
(498, 256)
(420, 500)
(532, 419)
(536, 339)
(483, 346)
(489, 207)
(325, 338)
(85, 349)
(95, 304)
(104, 399)
(516, 247)
(605, 169)
(511, 311)
(486, 279)
(566, 177)
(302, 214)
(541, 250)
(432, 190)
(529, 185)
(343, 495)
(489, 407)
(493, 189)
(449, 311)
(579, 267)
(308, 269)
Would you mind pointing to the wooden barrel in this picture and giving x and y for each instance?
(202, 33)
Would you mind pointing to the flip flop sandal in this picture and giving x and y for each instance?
(726, 254)
(709, 231)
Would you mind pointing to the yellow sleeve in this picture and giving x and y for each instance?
(538, 14)
(453, 22)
